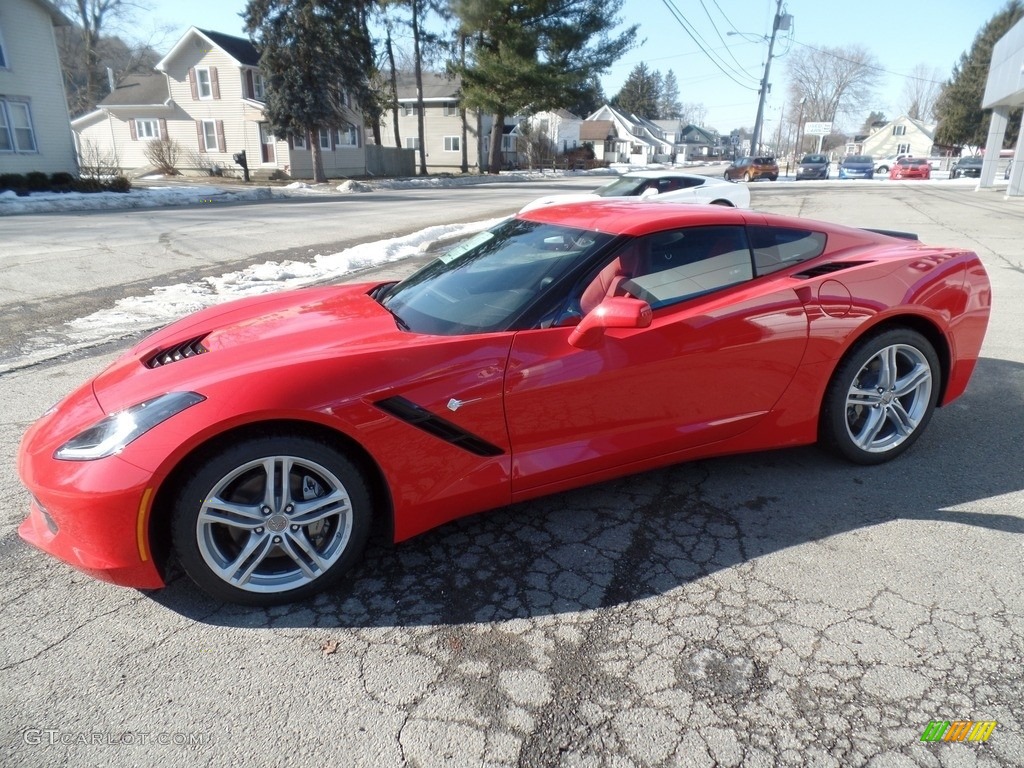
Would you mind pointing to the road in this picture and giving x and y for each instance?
(782, 608)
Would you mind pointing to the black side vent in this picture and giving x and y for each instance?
(421, 418)
(827, 269)
(189, 348)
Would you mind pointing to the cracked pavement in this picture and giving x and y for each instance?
(781, 608)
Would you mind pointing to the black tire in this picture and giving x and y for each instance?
(882, 169)
(725, 203)
(864, 416)
(726, 176)
(299, 542)
(773, 178)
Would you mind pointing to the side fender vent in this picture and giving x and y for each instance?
(180, 351)
(416, 416)
(829, 268)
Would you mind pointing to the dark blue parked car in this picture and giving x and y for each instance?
(857, 167)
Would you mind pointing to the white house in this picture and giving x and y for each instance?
(634, 140)
(902, 136)
(35, 133)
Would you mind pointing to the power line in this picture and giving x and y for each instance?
(703, 47)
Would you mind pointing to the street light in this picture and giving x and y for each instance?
(781, 21)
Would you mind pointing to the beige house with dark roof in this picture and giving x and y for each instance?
(442, 125)
(35, 133)
(208, 96)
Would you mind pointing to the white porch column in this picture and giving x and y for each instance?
(1016, 188)
(996, 132)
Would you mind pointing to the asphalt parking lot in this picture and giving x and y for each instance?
(782, 608)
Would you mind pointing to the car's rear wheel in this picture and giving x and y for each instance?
(881, 397)
(882, 169)
(726, 176)
(773, 177)
(271, 520)
(726, 203)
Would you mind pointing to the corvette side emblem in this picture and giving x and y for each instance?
(454, 405)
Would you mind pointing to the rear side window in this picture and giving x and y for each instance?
(777, 248)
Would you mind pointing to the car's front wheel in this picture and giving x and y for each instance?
(748, 177)
(881, 396)
(271, 520)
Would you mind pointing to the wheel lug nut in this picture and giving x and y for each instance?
(289, 508)
(277, 539)
(265, 510)
(259, 530)
(295, 527)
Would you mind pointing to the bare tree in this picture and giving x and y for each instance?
(89, 47)
(921, 92)
(836, 83)
(693, 113)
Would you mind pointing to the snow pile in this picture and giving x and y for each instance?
(154, 197)
(353, 186)
(168, 303)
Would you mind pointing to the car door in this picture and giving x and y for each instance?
(719, 352)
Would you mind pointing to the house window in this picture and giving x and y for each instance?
(452, 143)
(325, 138)
(902, 149)
(409, 110)
(204, 84)
(346, 137)
(899, 130)
(451, 110)
(147, 129)
(210, 135)
(508, 142)
(299, 141)
(412, 143)
(258, 88)
(16, 132)
(3, 55)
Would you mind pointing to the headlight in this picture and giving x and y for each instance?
(112, 434)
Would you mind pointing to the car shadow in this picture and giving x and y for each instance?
(645, 535)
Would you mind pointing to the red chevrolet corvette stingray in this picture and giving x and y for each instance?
(257, 441)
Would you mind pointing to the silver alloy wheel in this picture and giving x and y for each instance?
(888, 398)
(274, 524)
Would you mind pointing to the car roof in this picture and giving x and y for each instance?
(617, 216)
(661, 174)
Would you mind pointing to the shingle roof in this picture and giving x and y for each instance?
(434, 86)
(137, 90)
(239, 48)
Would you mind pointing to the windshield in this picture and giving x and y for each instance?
(815, 159)
(627, 186)
(859, 160)
(487, 282)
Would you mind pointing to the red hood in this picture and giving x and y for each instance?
(252, 333)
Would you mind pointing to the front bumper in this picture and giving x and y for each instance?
(92, 515)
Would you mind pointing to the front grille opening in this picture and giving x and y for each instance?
(180, 351)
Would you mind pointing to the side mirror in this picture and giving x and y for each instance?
(649, 192)
(616, 312)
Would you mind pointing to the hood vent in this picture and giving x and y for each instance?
(828, 269)
(180, 351)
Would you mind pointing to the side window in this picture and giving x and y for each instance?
(668, 267)
(776, 248)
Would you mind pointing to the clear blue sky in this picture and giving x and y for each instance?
(900, 34)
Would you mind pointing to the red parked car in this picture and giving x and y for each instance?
(911, 168)
(257, 441)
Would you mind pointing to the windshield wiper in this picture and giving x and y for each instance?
(401, 323)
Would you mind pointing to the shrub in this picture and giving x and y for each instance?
(164, 155)
(37, 181)
(87, 185)
(12, 181)
(119, 184)
(61, 181)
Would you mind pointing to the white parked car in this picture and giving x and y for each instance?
(883, 166)
(660, 186)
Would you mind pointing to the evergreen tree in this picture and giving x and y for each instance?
(591, 98)
(641, 93)
(669, 107)
(537, 54)
(961, 118)
(309, 51)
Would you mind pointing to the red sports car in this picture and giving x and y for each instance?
(257, 441)
(911, 168)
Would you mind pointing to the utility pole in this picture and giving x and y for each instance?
(779, 22)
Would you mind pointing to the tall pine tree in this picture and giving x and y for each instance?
(641, 93)
(310, 52)
(537, 54)
(962, 121)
